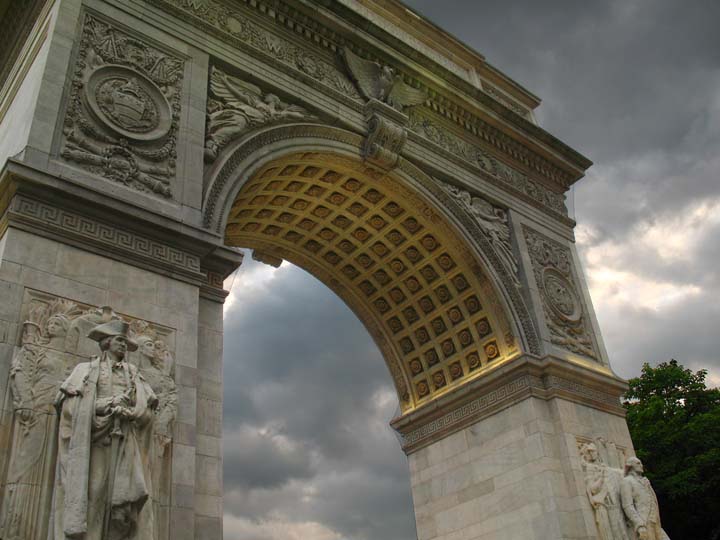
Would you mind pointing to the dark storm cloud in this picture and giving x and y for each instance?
(634, 85)
(308, 404)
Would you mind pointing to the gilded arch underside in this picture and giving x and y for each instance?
(390, 255)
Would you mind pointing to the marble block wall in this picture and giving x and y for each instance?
(37, 265)
(516, 474)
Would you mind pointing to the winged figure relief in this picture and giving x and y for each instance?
(237, 106)
(382, 83)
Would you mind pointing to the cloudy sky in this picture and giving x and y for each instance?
(632, 84)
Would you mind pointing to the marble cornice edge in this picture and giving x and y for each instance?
(319, 35)
(516, 380)
(36, 202)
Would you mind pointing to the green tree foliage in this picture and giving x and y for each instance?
(674, 420)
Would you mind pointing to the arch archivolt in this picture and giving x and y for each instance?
(383, 243)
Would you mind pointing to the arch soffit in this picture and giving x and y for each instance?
(259, 152)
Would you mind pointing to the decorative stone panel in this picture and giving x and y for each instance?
(124, 109)
(563, 305)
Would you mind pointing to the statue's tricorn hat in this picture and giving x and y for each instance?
(111, 329)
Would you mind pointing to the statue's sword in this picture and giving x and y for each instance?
(115, 436)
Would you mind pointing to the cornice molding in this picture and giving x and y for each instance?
(519, 379)
(232, 25)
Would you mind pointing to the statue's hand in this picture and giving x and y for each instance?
(103, 406)
(642, 533)
(122, 400)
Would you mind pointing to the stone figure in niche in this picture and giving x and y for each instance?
(602, 484)
(36, 373)
(640, 503)
(105, 439)
(157, 366)
(239, 106)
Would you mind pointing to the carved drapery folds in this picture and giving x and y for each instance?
(493, 222)
(53, 341)
(124, 109)
(563, 306)
(236, 107)
(387, 97)
(623, 502)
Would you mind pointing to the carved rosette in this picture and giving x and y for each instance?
(124, 109)
(562, 303)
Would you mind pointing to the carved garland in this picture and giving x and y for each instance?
(124, 109)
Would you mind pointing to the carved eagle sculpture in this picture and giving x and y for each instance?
(382, 83)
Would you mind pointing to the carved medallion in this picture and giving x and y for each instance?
(128, 103)
(560, 295)
(124, 109)
(564, 312)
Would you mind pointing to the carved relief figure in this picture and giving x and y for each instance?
(493, 221)
(239, 106)
(106, 414)
(640, 503)
(156, 365)
(36, 373)
(603, 488)
(124, 109)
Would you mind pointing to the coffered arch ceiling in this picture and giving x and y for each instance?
(390, 255)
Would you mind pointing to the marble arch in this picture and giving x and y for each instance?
(141, 140)
(388, 252)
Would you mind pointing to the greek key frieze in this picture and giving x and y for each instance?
(67, 222)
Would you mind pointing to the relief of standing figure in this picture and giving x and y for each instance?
(156, 365)
(602, 484)
(36, 373)
(640, 503)
(105, 438)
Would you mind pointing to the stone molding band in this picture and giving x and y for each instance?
(38, 209)
(517, 380)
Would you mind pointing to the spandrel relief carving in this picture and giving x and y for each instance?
(562, 304)
(53, 342)
(124, 109)
(493, 222)
(237, 106)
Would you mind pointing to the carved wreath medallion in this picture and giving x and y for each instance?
(124, 109)
(564, 312)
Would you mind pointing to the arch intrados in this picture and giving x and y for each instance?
(430, 346)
